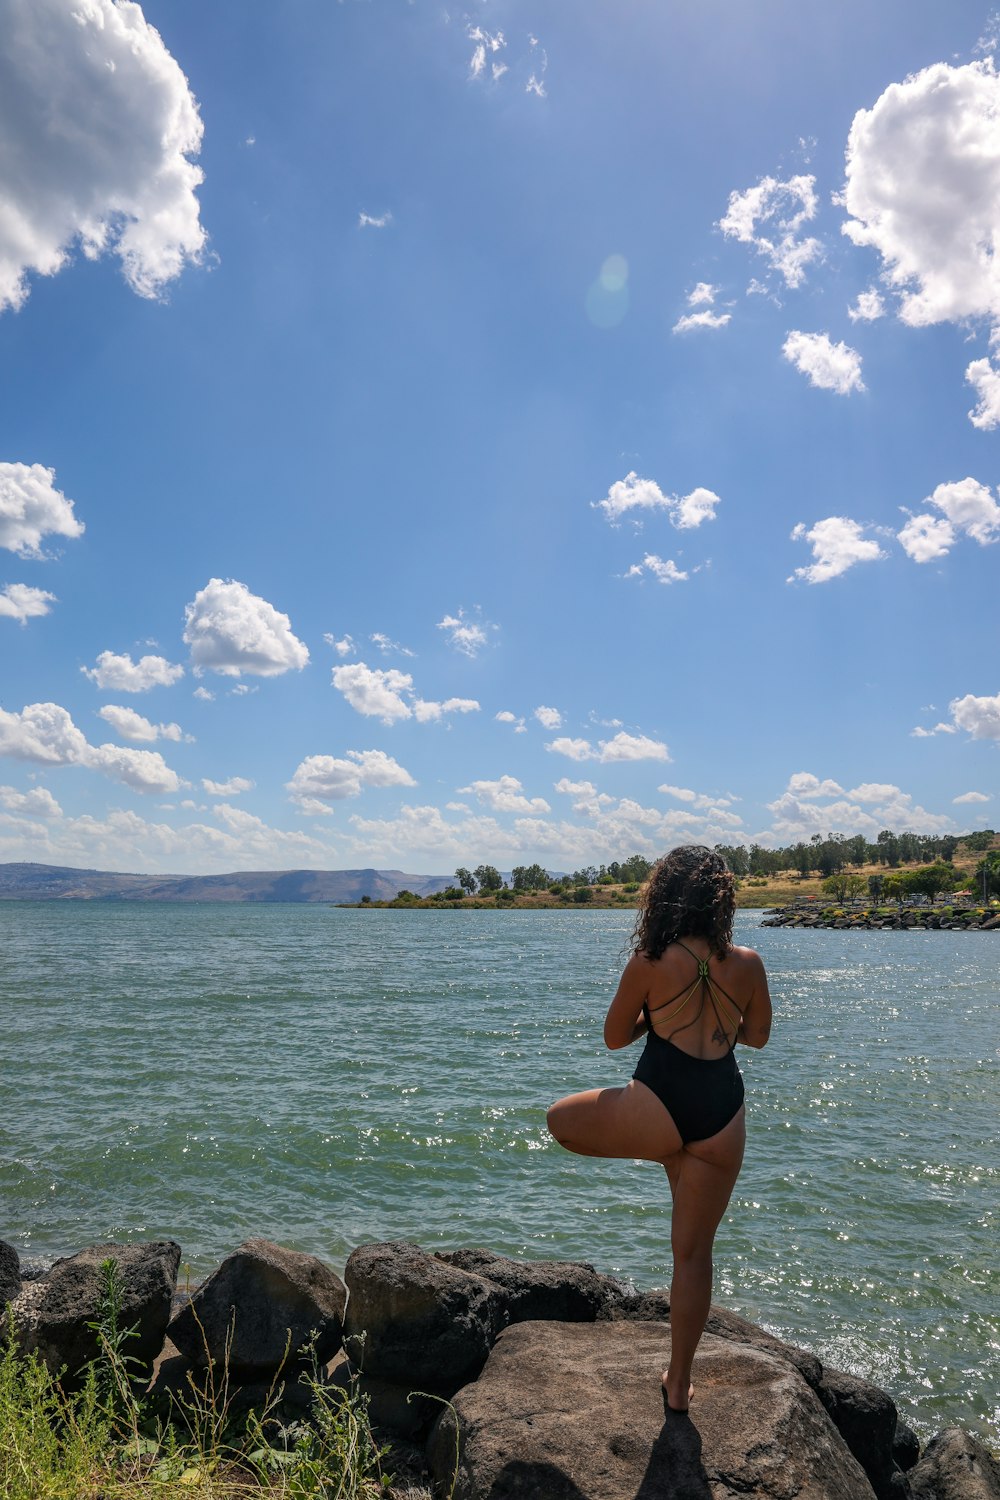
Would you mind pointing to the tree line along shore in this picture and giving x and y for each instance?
(893, 872)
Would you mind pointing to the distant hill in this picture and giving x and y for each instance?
(62, 883)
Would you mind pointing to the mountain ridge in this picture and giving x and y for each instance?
(40, 882)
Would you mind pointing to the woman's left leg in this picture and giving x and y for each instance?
(623, 1122)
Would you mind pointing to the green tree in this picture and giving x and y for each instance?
(988, 874)
(875, 887)
(844, 887)
(488, 878)
(888, 848)
(930, 880)
(528, 878)
(466, 880)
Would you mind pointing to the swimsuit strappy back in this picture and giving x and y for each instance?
(701, 1094)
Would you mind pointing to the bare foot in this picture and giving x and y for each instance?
(675, 1394)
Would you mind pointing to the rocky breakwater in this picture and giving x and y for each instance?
(895, 918)
(497, 1378)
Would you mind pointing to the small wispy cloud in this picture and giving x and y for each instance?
(374, 221)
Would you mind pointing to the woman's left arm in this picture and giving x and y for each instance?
(624, 1022)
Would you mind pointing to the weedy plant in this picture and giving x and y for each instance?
(102, 1441)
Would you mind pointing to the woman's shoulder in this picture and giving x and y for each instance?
(748, 956)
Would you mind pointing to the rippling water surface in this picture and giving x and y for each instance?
(328, 1077)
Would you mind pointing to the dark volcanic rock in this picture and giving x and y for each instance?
(866, 1419)
(565, 1290)
(905, 1446)
(426, 1325)
(10, 1274)
(955, 1467)
(570, 1411)
(51, 1314)
(272, 1299)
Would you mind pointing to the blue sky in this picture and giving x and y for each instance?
(503, 432)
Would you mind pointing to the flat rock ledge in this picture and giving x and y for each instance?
(577, 1412)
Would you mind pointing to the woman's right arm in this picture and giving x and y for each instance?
(755, 1028)
(624, 1022)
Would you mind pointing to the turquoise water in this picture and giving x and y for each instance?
(329, 1077)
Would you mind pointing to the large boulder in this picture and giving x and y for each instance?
(564, 1290)
(866, 1419)
(864, 1415)
(653, 1307)
(52, 1316)
(259, 1309)
(955, 1467)
(573, 1411)
(10, 1274)
(416, 1321)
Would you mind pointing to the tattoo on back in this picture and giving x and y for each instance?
(718, 1035)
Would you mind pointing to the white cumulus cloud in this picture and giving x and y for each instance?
(705, 319)
(506, 795)
(388, 694)
(506, 717)
(37, 803)
(770, 217)
(121, 674)
(985, 381)
(867, 308)
(426, 711)
(133, 726)
(926, 537)
(805, 784)
(465, 635)
(972, 797)
(978, 716)
(923, 190)
(837, 544)
(621, 747)
(31, 507)
(45, 734)
(635, 494)
(231, 788)
(22, 602)
(231, 631)
(322, 779)
(829, 366)
(373, 692)
(99, 129)
(549, 718)
(664, 570)
(703, 293)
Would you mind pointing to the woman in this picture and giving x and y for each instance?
(693, 996)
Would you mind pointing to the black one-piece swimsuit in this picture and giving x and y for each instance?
(702, 1094)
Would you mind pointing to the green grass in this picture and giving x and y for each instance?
(102, 1440)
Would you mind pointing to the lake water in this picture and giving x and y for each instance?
(327, 1077)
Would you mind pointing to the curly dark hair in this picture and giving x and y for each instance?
(689, 893)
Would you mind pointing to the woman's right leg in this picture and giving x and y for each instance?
(616, 1122)
(702, 1181)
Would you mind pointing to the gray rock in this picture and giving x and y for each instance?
(10, 1274)
(51, 1315)
(571, 1411)
(955, 1467)
(264, 1302)
(414, 1320)
(866, 1419)
(565, 1290)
